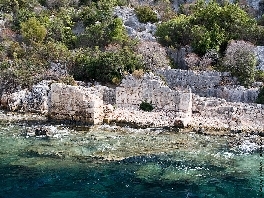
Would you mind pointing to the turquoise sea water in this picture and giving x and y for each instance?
(109, 162)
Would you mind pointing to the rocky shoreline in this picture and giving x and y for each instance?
(173, 107)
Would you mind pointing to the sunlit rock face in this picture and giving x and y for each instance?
(34, 100)
(260, 57)
(133, 26)
(134, 90)
(212, 112)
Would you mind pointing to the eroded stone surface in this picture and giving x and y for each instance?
(209, 84)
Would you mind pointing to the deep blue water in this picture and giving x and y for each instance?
(57, 167)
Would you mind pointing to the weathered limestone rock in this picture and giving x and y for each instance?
(260, 57)
(34, 100)
(133, 26)
(133, 91)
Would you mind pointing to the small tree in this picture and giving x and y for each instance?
(240, 60)
(260, 99)
(33, 31)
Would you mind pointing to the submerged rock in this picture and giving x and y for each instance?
(41, 132)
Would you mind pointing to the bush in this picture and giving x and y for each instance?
(138, 73)
(101, 11)
(60, 26)
(240, 60)
(145, 106)
(103, 34)
(33, 31)
(204, 39)
(22, 72)
(105, 66)
(56, 4)
(209, 26)
(22, 16)
(259, 76)
(260, 98)
(102, 28)
(9, 6)
(175, 32)
(146, 14)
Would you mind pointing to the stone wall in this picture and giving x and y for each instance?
(133, 91)
(75, 103)
(218, 113)
(209, 84)
(171, 107)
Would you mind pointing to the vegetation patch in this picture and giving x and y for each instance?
(145, 106)
(209, 26)
(241, 61)
(260, 98)
(146, 14)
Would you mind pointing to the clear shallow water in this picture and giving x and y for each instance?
(109, 162)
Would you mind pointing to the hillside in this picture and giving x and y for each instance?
(191, 64)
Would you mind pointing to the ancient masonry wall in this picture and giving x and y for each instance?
(173, 107)
(133, 91)
(75, 103)
(216, 112)
(209, 84)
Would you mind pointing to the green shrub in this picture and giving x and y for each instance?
(146, 14)
(259, 76)
(260, 98)
(103, 34)
(59, 27)
(175, 32)
(209, 26)
(9, 6)
(105, 66)
(204, 40)
(100, 11)
(102, 28)
(241, 61)
(22, 72)
(22, 16)
(145, 106)
(33, 31)
(56, 4)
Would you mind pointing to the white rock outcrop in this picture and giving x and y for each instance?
(134, 28)
(260, 57)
